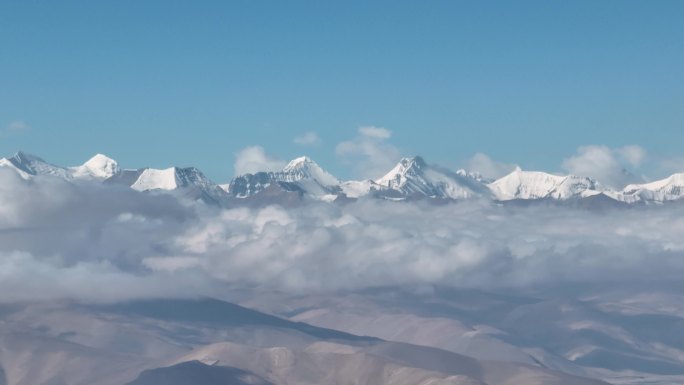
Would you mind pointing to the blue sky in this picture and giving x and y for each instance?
(152, 83)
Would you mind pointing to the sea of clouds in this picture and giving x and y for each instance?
(60, 240)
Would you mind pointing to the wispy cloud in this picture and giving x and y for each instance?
(375, 132)
(308, 139)
(672, 164)
(370, 152)
(608, 165)
(489, 167)
(254, 159)
(15, 127)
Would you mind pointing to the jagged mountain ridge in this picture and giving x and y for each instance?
(303, 178)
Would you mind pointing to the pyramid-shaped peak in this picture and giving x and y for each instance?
(153, 179)
(416, 161)
(99, 166)
(406, 166)
(305, 168)
(34, 165)
(23, 157)
(300, 162)
(100, 158)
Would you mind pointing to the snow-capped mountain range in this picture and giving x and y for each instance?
(411, 178)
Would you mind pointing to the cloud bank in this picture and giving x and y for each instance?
(62, 240)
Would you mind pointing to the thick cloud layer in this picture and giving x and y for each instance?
(59, 240)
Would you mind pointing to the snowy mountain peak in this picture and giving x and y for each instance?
(305, 168)
(21, 157)
(27, 164)
(413, 176)
(416, 161)
(155, 179)
(7, 163)
(301, 174)
(188, 182)
(411, 164)
(98, 167)
(100, 160)
(670, 188)
(171, 178)
(297, 163)
(521, 184)
(400, 173)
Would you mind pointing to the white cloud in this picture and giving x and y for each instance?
(253, 159)
(672, 165)
(57, 240)
(15, 127)
(170, 264)
(308, 139)
(477, 245)
(24, 277)
(375, 132)
(634, 155)
(369, 152)
(488, 167)
(605, 164)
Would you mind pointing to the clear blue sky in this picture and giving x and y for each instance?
(159, 82)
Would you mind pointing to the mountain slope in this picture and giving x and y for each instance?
(52, 343)
(618, 333)
(384, 363)
(195, 372)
